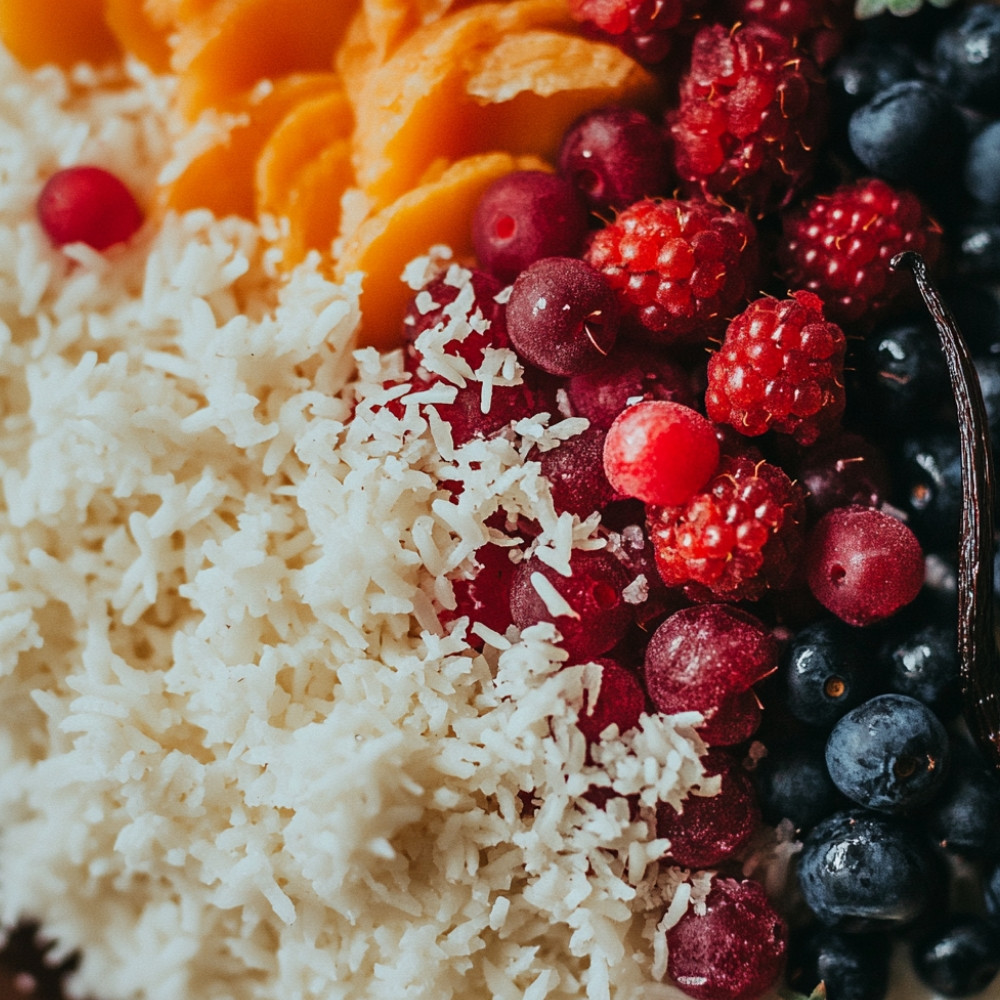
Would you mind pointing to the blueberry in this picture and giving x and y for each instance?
(864, 69)
(991, 894)
(982, 165)
(967, 58)
(928, 483)
(976, 309)
(850, 966)
(909, 133)
(965, 816)
(860, 871)
(793, 783)
(825, 672)
(890, 754)
(976, 254)
(958, 958)
(922, 661)
(988, 370)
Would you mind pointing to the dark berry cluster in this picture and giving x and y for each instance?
(772, 459)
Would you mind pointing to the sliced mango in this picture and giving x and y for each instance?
(445, 94)
(233, 44)
(63, 32)
(436, 212)
(303, 171)
(223, 178)
(140, 31)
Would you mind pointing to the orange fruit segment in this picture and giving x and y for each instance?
(303, 170)
(436, 212)
(63, 32)
(134, 25)
(223, 177)
(445, 94)
(233, 44)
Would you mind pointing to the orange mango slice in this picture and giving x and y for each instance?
(436, 212)
(303, 171)
(63, 32)
(223, 178)
(446, 94)
(140, 31)
(231, 45)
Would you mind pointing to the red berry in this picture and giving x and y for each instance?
(839, 245)
(751, 117)
(735, 539)
(587, 607)
(700, 656)
(618, 700)
(733, 720)
(734, 949)
(575, 474)
(645, 29)
(819, 27)
(863, 564)
(87, 205)
(679, 268)
(484, 594)
(660, 452)
(710, 829)
(780, 368)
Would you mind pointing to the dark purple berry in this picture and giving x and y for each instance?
(844, 470)
(615, 156)
(793, 783)
(562, 316)
(967, 58)
(960, 957)
(982, 165)
(575, 472)
(524, 216)
(965, 815)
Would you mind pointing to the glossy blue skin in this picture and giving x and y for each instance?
(793, 783)
(967, 58)
(860, 871)
(965, 815)
(959, 958)
(890, 754)
(851, 966)
(982, 178)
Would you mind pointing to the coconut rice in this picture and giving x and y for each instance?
(240, 756)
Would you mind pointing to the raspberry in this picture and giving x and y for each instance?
(839, 245)
(645, 29)
(680, 268)
(779, 368)
(751, 117)
(819, 27)
(737, 538)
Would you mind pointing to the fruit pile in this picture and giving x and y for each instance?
(772, 459)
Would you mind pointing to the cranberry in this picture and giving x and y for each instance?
(484, 595)
(735, 719)
(587, 607)
(615, 156)
(660, 452)
(863, 564)
(87, 205)
(575, 474)
(524, 216)
(734, 950)
(845, 470)
(562, 316)
(619, 700)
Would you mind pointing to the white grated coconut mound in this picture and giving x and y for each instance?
(240, 757)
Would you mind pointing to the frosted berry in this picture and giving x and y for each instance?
(751, 117)
(562, 316)
(587, 607)
(679, 268)
(863, 564)
(524, 216)
(483, 593)
(839, 246)
(615, 156)
(736, 538)
(735, 719)
(618, 700)
(575, 474)
(840, 471)
(780, 367)
(700, 656)
(734, 950)
(660, 452)
(89, 205)
(710, 829)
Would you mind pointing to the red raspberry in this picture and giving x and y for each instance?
(751, 117)
(737, 538)
(818, 26)
(839, 245)
(779, 368)
(679, 267)
(645, 29)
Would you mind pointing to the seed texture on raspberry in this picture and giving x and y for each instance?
(751, 117)
(818, 26)
(735, 539)
(646, 31)
(839, 245)
(680, 268)
(660, 452)
(780, 368)
(863, 564)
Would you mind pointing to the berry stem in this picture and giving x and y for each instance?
(977, 648)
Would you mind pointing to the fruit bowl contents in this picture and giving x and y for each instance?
(494, 502)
